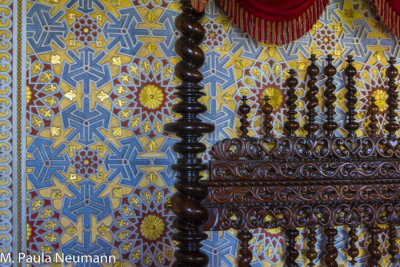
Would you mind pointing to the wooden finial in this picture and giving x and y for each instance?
(311, 99)
(267, 110)
(244, 109)
(330, 125)
(291, 125)
(351, 124)
(392, 126)
(373, 121)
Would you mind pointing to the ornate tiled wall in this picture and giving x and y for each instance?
(8, 141)
(99, 88)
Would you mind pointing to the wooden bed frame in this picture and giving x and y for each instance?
(289, 182)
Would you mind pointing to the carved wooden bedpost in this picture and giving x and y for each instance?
(392, 126)
(373, 121)
(330, 125)
(331, 250)
(244, 110)
(311, 98)
(393, 249)
(186, 202)
(267, 110)
(246, 256)
(373, 248)
(353, 250)
(312, 240)
(292, 253)
(350, 72)
(291, 125)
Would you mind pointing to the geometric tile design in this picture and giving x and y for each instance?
(99, 88)
(7, 138)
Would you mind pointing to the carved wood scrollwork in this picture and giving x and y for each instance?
(321, 180)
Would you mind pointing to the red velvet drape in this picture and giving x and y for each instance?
(389, 12)
(272, 21)
(282, 21)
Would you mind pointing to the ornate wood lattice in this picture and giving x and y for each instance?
(321, 180)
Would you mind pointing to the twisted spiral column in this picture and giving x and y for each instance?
(267, 110)
(330, 125)
(291, 250)
(244, 110)
(186, 202)
(373, 121)
(375, 253)
(351, 124)
(312, 240)
(393, 249)
(291, 125)
(392, 126)
(353, 250)
(245, 236)
(331, 250)
(311, 98)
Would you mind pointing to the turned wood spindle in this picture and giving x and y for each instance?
(392, 126)
(244, 110)
(291, 125)
(311, 241)
(246, 255)
(267, 110)
(330, 125)
(373, 121)
(373, 248)
(353, 250)
(393, 249)
(311, 98)
(331, 251)
(350, 71)
(186, 202)
(291, 250)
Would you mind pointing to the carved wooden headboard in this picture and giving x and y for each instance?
(314, 181)
(319, 180)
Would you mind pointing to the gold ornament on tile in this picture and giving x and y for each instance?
(275, 97)
(151, 96)
(380, 99)
(152, 227)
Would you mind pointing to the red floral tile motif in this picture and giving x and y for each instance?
(326, 39)
(86, 162)
(215, 34)
(43, 94)
(86, 30)
(143, 95)
(43, 225)
(142, 227)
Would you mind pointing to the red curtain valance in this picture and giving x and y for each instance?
(271, 21)
(389, 12)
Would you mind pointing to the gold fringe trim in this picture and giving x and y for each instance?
(272, 32)
(278, 33)
(199, 5)
(389, 16)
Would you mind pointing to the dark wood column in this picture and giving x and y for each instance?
(186, 202)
